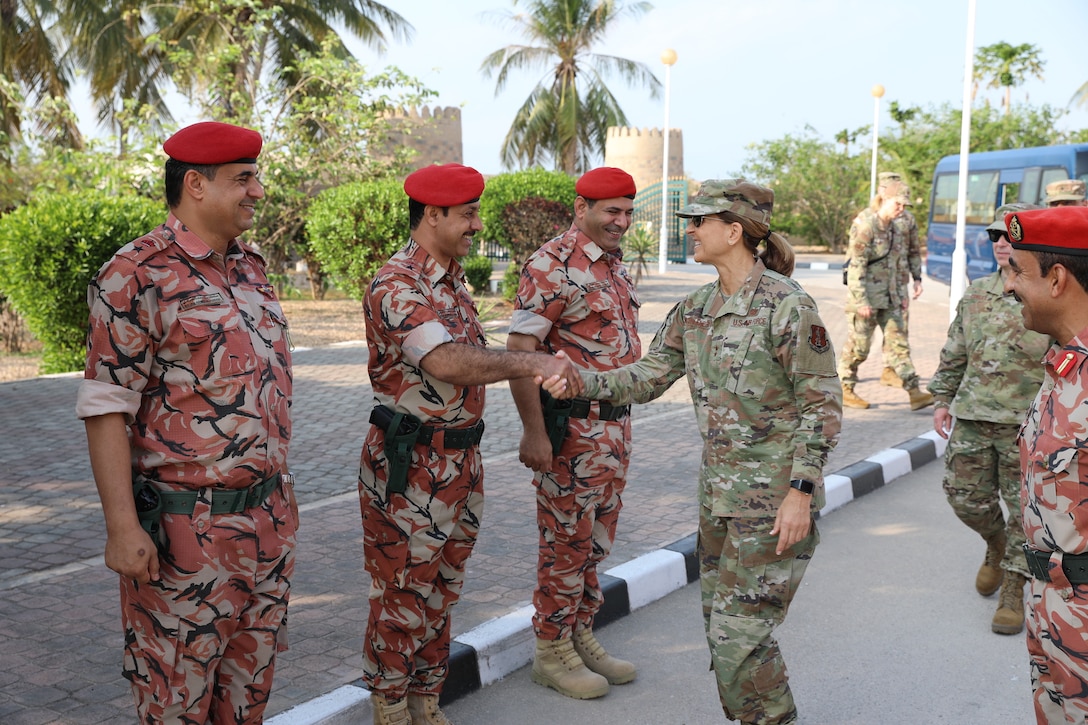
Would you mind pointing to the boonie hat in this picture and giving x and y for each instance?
(606, 182)
(1060, 229)
(738, 196)
(444, 185)
(998, 224)
(210, 143)
(1064, 190)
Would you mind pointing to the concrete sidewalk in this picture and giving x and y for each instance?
(60, 638)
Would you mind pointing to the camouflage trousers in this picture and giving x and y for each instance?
(416, 545)
(200, 643)
(859, 341)
(982, 469)
(1057, 618)
(746, 591)
(578, 507)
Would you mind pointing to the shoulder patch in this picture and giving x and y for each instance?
(818, 339)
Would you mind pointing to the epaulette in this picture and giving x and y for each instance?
(1069, 361)
(145, 247)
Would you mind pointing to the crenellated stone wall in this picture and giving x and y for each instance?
(434, 133)
(638, 152)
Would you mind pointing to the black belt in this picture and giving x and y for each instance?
(224, 500)
(1075, 566)
(581, 408)
(458, 438)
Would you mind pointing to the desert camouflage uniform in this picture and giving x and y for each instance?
(879, 258)
(416, 543)
(1053, 441)
(761, 371)
(192, 348)
(991, 368)
(576, 297)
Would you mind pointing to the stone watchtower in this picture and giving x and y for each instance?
(638, 152)
(435, 135)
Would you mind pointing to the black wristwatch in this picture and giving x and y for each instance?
(806, 487)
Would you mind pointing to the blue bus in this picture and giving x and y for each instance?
(994, 178)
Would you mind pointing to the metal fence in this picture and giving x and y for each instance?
(648, 209)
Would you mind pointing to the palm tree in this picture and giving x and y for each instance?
(567, 115)
(1080, 98)
(1007, 66)
(230, 42)
(32, 64)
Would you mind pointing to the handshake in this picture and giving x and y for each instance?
(559, 377)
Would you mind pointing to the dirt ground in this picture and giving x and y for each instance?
(313, 323)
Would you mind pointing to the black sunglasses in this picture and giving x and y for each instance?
(995, 235)
(697, 221)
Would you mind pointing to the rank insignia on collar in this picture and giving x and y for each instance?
(1066, 365)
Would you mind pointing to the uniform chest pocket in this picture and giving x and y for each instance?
(217, 342)
(1058, 466)
(740, 351)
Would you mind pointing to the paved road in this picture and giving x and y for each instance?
(60, 639)
(887, 628)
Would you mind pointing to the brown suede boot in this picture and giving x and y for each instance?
(990, 573)
(390, 712)
(918, 398)
(558, 666)
(425, 711)
(616, 671)
(1009, 617)
(851, 399)
(889, 378)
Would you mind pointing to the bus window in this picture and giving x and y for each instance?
(1011, 192)
(981, 197)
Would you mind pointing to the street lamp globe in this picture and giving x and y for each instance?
(668, 56)
(878, 91)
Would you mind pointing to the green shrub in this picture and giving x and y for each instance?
(509, 188)
(477, 272)
(354, 229)
(531, 222)
(50, 251)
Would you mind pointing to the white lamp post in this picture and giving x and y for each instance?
(668, 57)
(878, 93)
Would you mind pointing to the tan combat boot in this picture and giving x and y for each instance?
(390, 712)
(616, 671)
(889, 378)
(425, 711)
(990, 574)
(851, 399)
(918, 398)
(1009, 617)
(558, 666)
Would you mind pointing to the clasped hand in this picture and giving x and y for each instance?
(559, 377)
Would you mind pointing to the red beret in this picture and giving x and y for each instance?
(444, 185)
(1060, 229)
(211, 143)
(607, 182)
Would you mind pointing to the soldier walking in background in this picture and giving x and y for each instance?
(576, 296)
(421, 473)
(877, 295)
(905, 227)
(1067, 192)
(1049, 265)
(187, 403)
(990, 369)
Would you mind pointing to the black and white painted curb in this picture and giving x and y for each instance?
(506, 644)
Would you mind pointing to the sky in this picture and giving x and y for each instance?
(748, 71)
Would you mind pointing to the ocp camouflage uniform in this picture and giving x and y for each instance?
(417, 542)
(576, 297)
(1054, 510)
(990, 370)
(875, 278)
(192, 347)
(761, 371)
(910, 265)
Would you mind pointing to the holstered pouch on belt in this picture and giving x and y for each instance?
(401, 432)
(148, 507)
(556, 419)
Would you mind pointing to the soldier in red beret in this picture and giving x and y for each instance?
(421, 474)
(186, 401)
(1049, 263)
(576, 297)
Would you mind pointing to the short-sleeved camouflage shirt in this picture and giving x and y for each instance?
(192, 348)
(761, 370)
(412, 306)
(576, 297)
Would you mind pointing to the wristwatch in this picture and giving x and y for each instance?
(806, 487)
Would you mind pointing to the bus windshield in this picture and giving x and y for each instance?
(981, 193)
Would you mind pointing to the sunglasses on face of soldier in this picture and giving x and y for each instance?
(995, 235)
(697, 221)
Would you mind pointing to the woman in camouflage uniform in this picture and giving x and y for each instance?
(768, 402)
